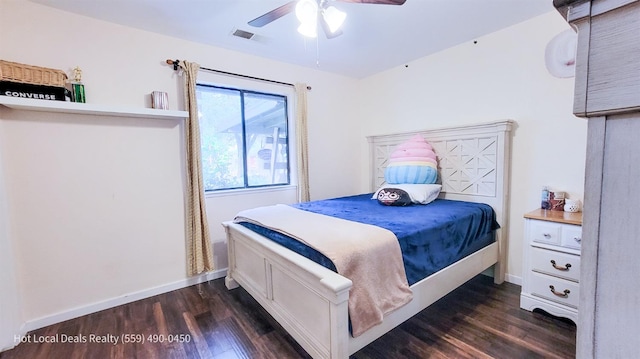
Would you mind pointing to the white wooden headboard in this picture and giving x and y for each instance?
(473, 164)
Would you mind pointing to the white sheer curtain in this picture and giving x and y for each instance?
(301, 142)
(199, 249)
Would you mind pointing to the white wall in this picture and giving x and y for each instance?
(503, 76)
(95, 204)
(10, 314)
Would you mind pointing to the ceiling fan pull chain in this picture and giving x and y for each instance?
(317, 52)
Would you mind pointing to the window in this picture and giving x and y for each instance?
(244, 138)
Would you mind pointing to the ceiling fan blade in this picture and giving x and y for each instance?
(273, 15)
(380, 2)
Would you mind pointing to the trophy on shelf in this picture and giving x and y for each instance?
(77, 88)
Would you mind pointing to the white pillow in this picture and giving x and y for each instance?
(419, 193)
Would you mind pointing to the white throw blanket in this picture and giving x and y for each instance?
(368, 255)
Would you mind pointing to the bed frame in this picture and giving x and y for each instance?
(310, 301)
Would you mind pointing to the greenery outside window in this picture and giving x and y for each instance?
(244, 138)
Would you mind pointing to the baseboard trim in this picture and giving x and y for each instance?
(513, 279)
(507, 277)
(114, 302)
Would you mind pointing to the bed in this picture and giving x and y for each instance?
(310, 301)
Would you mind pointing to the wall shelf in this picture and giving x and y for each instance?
(89, 109)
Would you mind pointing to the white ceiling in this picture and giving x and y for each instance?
(375, 37)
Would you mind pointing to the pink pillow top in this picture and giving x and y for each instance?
(416, 149)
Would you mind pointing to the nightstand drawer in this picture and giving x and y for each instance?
(572, 237)
(557, 264)
(546, 232)
(555, 289)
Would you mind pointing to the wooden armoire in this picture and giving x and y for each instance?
(607, 94)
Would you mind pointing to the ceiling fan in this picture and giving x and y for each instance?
(310, 12)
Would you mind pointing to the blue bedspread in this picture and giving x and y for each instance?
(431, 236)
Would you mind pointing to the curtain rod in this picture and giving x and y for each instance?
(176, 62)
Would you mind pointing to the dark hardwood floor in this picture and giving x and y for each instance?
(478, 320)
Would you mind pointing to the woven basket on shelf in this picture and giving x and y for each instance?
(28, 74)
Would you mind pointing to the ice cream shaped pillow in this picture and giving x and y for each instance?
(412, 162)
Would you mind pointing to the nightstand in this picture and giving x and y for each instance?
(551, 272)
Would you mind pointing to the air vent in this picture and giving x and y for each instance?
(243, 34)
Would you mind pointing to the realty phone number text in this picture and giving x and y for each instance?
(104, 338)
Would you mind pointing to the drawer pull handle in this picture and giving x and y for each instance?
(546, 235)
(577, 239)
(565, 268)
(564, 294)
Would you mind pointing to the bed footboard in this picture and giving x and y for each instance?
(311, 304)
(311, 301)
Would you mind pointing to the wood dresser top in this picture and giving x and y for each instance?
(555, 216)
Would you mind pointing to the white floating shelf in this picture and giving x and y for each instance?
(89, 109)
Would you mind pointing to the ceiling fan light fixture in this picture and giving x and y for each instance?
(334, 18)
(307, 11)
(308, 29)
(307, 14)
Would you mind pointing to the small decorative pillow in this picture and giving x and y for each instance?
(419, 193)
(393, 197)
